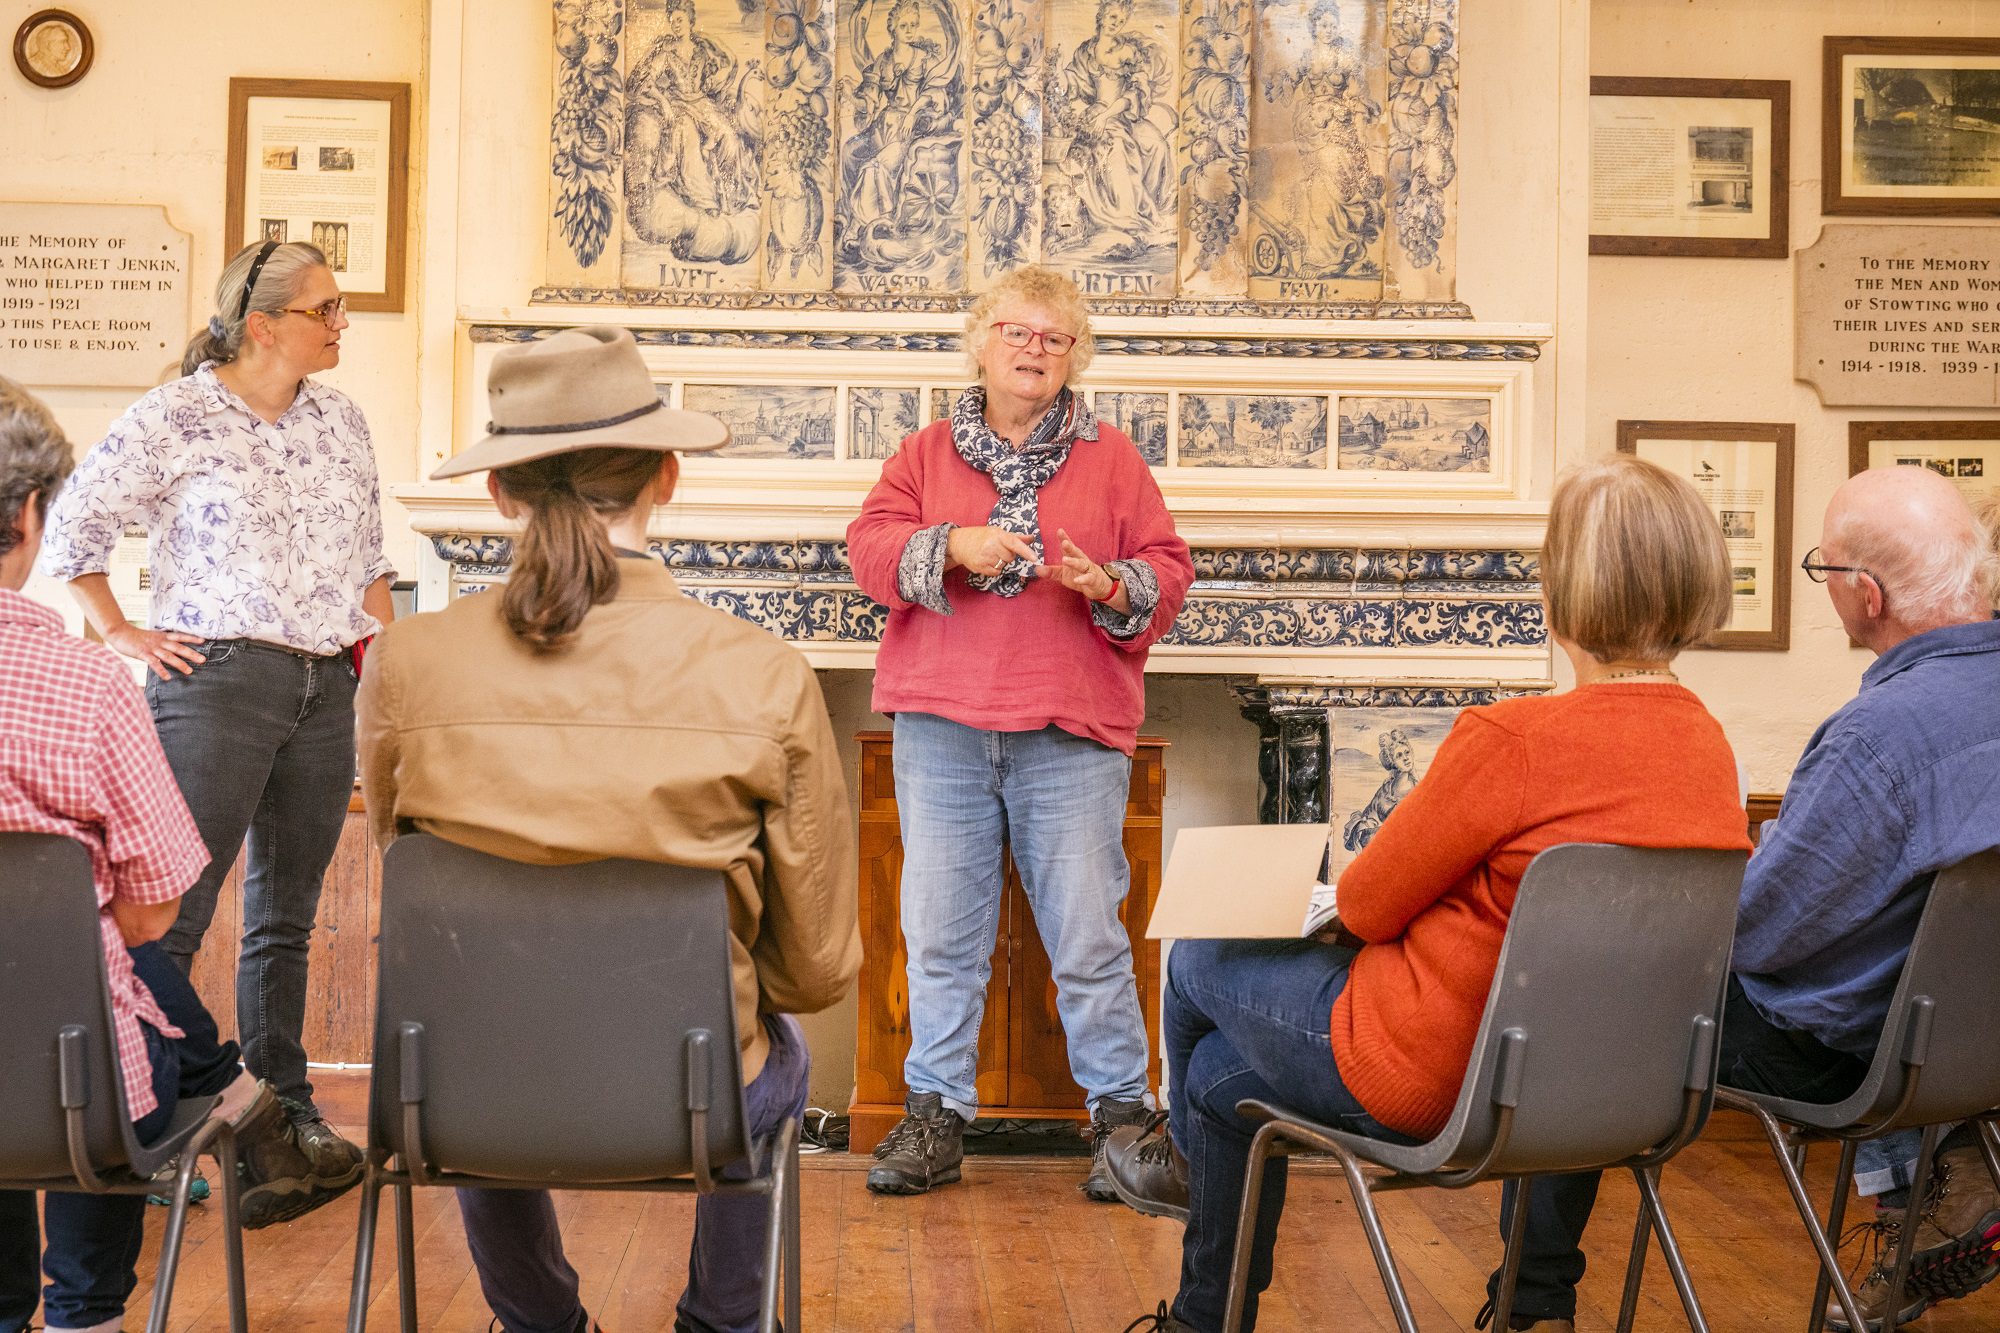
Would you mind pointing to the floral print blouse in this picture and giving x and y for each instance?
(257, 530)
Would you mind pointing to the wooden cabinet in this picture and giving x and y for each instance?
(1023, 1061)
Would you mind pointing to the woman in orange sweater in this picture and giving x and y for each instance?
(1376, 1040)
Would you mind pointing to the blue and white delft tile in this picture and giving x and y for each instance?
(1143, 416)
(879, 419)
(1252, 430)
(768, 421)
(1315, 564)
(1416, 434)
(1427, 622)
(462, 548)
(587, 129)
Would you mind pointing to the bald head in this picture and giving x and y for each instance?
(1912, 530)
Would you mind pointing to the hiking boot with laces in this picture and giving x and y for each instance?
(1878, 1240)
(282, 1178)
(1160, 1321)
(923, 1150)
(1146, 1171)
(1110, 1113)
(331, 1155)
(1959, 1250)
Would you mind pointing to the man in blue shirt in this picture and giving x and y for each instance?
(1900, 783)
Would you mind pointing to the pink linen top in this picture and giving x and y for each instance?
(1036, 660)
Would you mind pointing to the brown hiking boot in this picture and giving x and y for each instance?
(1959, 1251)
(280, 1178)
(1109, 1114)
(1147, 1171)
(922, 1151)
(1870, 1277)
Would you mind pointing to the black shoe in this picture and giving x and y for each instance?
(1146, 1171)
(923, 1150)
(280, 1165)
(1110, 1113)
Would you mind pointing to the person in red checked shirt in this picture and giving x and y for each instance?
(79, 758)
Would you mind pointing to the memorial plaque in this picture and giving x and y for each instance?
(1900, 316)
(91, 294)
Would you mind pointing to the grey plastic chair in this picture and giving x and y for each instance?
(1597, 1050)
(64, 1123)
(558, 1027)
(1936, 1063)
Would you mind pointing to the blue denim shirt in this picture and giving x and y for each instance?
(1897, 785)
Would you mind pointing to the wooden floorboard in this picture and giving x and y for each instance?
(1016, 1248)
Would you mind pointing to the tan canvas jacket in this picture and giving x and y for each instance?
(667, 731)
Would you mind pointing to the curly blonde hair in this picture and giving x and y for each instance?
(1032, 284)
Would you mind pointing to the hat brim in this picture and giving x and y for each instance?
(668, 430)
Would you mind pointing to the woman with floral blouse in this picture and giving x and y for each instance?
(257, 487)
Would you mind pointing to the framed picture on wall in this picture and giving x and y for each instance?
(1744, 470)
(1911, 126)
(1691, 167)
(1966, 452)
(326, 162)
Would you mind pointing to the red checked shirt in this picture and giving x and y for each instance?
(79, 757)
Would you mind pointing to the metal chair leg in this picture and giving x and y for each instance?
(774, 1228)
(794, 1262)
(406, 1254)
(1906, 1242)
(1670, 1250)
(231, 1189)
(1510, 1262)
(1378, 1242)
(1836, 1224)
(1774, 1134)
(1246, 1227)
(1635, 1268)
(364, 1249)
(1989, 1148)
(170, 1244)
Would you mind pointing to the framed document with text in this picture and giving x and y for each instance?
(1967, 453)
(325, 162)
(1744, 470)
(1910, 126)
(1690, 167)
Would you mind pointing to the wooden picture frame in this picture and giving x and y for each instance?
(1934, 443)
(1717, 188)
(41, 61)
(1750, 494)
(304, 132)
(1903, 118)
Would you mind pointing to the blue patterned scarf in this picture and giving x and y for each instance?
(1018, 473)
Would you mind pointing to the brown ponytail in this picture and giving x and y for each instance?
(564, 563)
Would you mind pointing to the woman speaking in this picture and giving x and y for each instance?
(1028, 563)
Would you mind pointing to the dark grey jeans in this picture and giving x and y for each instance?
(262, 743)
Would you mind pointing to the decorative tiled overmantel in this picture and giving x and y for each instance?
(1328, 576)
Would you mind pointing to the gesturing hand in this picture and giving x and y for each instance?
(157, 648)
(986, 551)
(1078, 572)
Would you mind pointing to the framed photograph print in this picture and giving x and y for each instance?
(326, 162)
(1744, 470)
(1911, 126)
(1694, 167)
(1965, 452)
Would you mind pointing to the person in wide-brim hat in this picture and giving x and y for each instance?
(591, 710)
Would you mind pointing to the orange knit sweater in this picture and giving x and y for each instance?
(1632, 763)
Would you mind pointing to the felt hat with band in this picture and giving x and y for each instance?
(579, 389)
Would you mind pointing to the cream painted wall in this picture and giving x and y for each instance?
(149, 125)
(1711, 339)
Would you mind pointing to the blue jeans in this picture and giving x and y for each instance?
(517, 1246)
(1246, 1018)
(1059, 801)
(262, 743)
(1757, 1056)
(94, 1239)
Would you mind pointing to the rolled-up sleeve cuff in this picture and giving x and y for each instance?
(381, 569)
(1142, 591)
(920, 573)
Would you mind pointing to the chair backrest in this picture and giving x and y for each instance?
(1946, 1008)
(53, 992)
(1604, 1008)
(543, 1016)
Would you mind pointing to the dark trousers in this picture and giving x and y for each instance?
(1757, 1056)
(1246, 1019)
(517, 1246)
(262, 744)
(94, 1239)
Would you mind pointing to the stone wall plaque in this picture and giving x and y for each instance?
(1900, 316)
(91, 294)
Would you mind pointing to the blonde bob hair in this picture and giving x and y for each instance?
(1633, 566)
(1033, 284)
